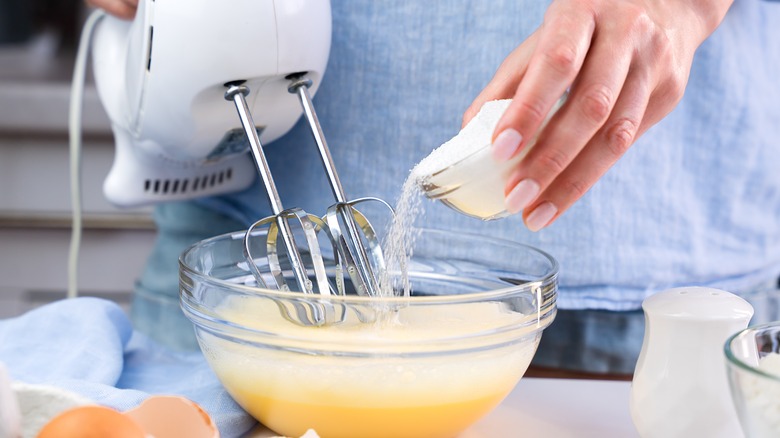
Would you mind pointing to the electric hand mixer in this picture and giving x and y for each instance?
(163, 80)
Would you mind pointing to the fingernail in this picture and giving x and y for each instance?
(541, 216)
(506, 144)
(521, 195)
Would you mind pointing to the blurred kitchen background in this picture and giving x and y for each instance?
(38, 40)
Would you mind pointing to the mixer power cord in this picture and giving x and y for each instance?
(74, 138)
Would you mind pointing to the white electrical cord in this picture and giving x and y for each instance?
(74, 132)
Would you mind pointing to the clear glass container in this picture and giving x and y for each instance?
(753, 362)
(428, 365)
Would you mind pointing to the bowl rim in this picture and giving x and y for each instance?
(736, 361)
(551, 276)
(543, 288)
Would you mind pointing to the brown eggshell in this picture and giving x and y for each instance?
(173, 417)
(91, 422)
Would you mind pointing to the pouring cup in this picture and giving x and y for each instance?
(474, 185)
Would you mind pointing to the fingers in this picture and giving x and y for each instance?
(606, 110)
(626, 65)
(124, 9)
(563, 43)
(620, 131)
(591, 101)
(504, 83)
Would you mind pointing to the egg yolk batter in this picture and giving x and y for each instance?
(441, 419)
(406, 392)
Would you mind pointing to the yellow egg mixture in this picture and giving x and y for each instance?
(341, 396)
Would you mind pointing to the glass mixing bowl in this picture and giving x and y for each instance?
(753, 358)
(428, 365)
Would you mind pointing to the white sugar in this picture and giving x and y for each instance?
(770, 364)
(477, 134)
(398, 244)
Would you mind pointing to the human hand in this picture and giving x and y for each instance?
(626, 64)
(124, 9)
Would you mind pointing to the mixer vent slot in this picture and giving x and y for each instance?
(175, 186)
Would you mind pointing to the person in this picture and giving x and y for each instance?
(672, 108)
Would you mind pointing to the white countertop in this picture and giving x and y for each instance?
(560, 408)
(553, 408)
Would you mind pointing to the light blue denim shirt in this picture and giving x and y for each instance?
(696, 201)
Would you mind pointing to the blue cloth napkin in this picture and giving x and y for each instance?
(88, 346)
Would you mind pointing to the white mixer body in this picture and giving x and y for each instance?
(161, 79)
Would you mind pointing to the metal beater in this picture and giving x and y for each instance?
(354, 241)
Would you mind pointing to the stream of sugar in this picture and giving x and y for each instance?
(398, 244)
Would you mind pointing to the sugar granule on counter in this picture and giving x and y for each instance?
(477, 134)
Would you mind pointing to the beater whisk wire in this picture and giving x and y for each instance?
(349, 231)
(237, 94)
(351, 246)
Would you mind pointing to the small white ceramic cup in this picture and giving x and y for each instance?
(475, 184)
(680, 387)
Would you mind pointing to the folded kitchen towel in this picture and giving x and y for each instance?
(88, 346)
